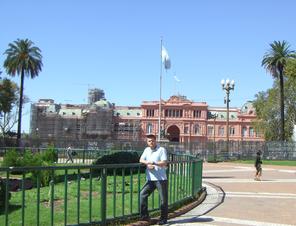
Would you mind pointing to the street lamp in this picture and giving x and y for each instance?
(227, 86)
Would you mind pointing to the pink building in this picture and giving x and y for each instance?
(183, 120)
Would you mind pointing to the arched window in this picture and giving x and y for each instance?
(210, 130)
(231, 131)
(244, 131)
(149, 128)
(251, 132)
(196, 129)
(221, 131)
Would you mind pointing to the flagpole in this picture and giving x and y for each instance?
(160, 80)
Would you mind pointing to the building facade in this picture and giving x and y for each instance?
(182, 120)
(67, 121)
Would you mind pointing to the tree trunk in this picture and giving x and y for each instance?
(282, 105)
(19, 126)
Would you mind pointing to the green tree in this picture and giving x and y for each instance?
(268, 110)
(23, 59)
(8, 101)
(275, 61)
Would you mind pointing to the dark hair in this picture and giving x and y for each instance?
(151, 136)
(259, 152)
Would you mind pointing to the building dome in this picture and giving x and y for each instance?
(248, 108)
(102, 104)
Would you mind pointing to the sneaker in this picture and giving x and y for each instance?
(162, 222)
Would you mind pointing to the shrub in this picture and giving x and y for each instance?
(49, 155)
(44, 175)
(121, 157)
(12, 158)
(15, 159)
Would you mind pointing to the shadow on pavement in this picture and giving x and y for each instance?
(191, 220)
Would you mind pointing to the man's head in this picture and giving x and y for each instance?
(151, 140)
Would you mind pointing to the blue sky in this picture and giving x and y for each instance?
(115, 46)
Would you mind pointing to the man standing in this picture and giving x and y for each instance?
(258, 166)
(155, 159)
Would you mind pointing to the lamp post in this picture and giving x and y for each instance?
(214, 116)
(227, 86)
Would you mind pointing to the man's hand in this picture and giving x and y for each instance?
(150, 166)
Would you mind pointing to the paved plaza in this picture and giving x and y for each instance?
(234, 198)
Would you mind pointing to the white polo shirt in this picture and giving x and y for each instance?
(155, 155)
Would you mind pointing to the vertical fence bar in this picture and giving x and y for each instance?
(78, 196)
(52, 198)
(139, 187)
(6, 197)
(83, 156)
(103, 195)
(178, 181)
(65, 197)
(187, 178)
(193, 178)
(23, 198)
(174, 193)
(131, 190)
(170, 182)
(199, 175)
(114, 193)
(90, 196)
(181, 192)
(153, 200)
(190, 179)
(123, 191)
(38, 199)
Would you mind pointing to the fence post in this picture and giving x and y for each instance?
(83, 158)
(193, 178)
(198, 175)
(103, 195)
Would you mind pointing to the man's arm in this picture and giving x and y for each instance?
(161, 163)
(145, 162)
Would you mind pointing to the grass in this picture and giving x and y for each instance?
(126, 200)
(269, 162)
(87, 210)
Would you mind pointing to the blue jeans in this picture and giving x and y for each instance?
(148, 188)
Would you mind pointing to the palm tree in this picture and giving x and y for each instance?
(23, 58)
(275, 61)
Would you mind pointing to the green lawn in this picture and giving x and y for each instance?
(270, 162)
(126, 200)
(87, 210)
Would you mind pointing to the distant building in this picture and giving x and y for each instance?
(182, 120)
(68, 121)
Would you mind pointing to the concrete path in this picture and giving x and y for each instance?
(234, 198)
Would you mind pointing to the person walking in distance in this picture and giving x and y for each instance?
(258, 166)
(154, 158)
(69, 154)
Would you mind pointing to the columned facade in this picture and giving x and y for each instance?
(183, 120)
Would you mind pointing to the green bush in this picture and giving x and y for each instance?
(49, 155)
(12, 158)
(121, 157)
(16, 159)
(44, 175)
